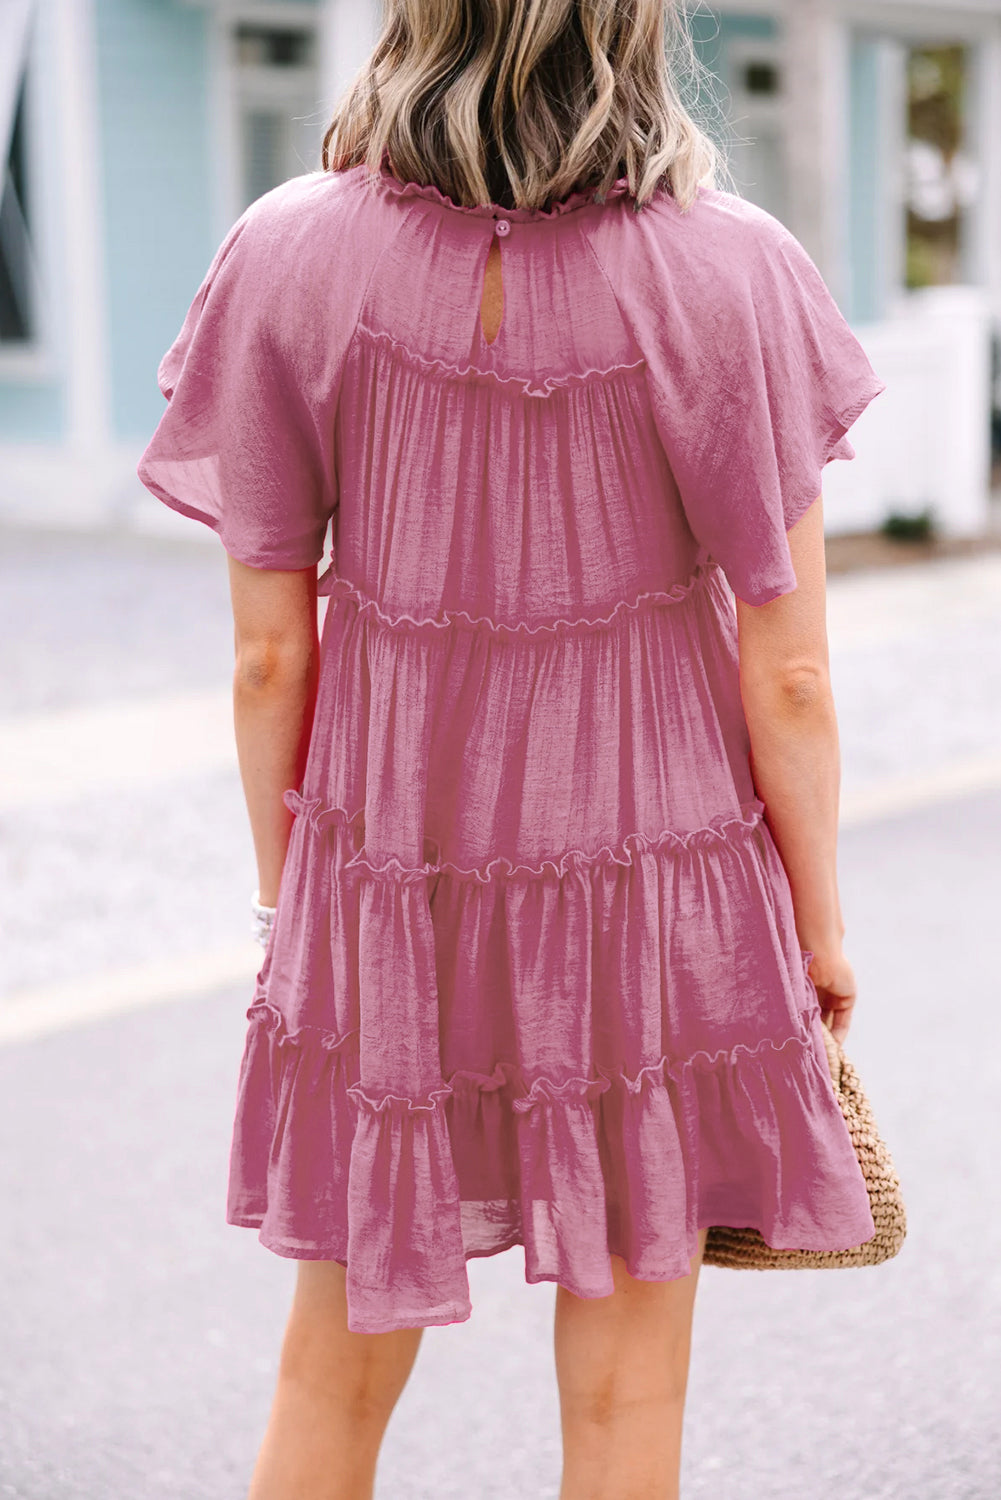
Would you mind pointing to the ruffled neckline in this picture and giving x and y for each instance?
(433, 194)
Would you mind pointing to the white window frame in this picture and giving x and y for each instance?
(909, 25)
(225, 89)
(748, 112)
(31, 358)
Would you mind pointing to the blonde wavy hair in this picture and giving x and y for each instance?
(522, 103)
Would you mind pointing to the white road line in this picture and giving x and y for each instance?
(38, 1012)
(62, 756)
(139, 742)
(888, 606)
(72, 1002)
(77, 752)
(907, 793)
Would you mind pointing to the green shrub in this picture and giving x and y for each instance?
(909, 526)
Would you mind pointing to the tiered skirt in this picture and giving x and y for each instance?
(464, 1038)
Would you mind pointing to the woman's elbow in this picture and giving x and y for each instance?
(269, 665)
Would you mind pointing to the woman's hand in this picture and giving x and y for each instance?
(832, 974)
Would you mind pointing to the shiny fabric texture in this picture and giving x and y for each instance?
(534, 977)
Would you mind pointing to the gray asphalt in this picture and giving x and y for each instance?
(90, 615)
(118, 878)
(139, 1332)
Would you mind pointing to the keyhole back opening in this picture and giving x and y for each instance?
(492, 299)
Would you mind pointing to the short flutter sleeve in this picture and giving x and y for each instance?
(246, 442)
(755, 377)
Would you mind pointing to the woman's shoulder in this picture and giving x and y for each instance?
(306, 207)
(727, 211)
(723, 263)
(719, 232)
(290, 242)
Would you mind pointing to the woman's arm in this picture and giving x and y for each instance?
(795, 757)
(274, 696)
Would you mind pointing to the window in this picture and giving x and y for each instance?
(279, 128)
(18, 296)
(761, 78)
(757, 158)
(941, 176)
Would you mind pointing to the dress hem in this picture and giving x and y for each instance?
(461, 1315)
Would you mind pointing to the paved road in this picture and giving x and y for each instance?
(123, 834)
(140, 1332)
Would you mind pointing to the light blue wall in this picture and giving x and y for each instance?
(31, 411)
(863, 300)
(157, 211)
(711, 32)
(156, 163)
(864, 281)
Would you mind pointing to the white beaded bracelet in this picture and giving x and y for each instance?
(264, 919)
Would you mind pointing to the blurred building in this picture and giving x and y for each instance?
(135, 131)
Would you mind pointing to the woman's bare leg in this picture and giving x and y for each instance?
(622, 1366)
(335, 1394)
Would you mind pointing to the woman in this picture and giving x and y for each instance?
(547, 819)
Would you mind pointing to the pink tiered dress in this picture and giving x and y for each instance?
(534, 978)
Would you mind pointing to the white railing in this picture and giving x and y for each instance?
(925, 440)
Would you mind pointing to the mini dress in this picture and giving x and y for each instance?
(534, 978)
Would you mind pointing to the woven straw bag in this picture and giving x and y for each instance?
(746, 1249)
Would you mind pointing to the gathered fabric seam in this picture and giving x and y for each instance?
(444, 369)
(321, 819)
(334, 585)
(542, 1089)
(430, 192)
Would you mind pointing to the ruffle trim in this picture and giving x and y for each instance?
(525, 1095)
(722, 830)
(442, 369)
(431, 193)
(331, 584)
(270, 1018)
(401, 1189)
